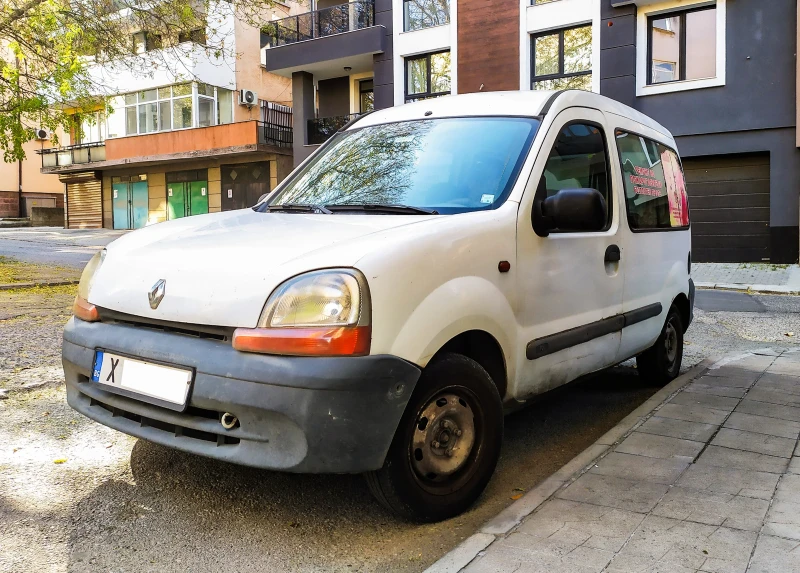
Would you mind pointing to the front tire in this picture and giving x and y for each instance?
(447, 444)
(661, 363)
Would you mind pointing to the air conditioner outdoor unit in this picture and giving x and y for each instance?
(42, 134)
(248, 98)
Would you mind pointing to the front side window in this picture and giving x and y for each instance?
(682, 45)
(562, 60)
(655, 188)
(578, 160)
(419, 14)
(449, 165)
(427, 76)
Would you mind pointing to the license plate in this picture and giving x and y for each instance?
(144, 378)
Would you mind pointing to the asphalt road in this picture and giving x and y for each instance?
(54, 245)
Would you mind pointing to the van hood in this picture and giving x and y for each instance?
(220, 268)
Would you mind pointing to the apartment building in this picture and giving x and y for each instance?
(23, 186)
(720, 74)
(198, 134)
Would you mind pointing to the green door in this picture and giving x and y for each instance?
(198, 197)
(119, 202)
(140, 204)
(176, 200)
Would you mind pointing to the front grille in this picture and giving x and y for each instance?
(220, 333)
(174, 429)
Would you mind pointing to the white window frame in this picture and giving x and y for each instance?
(642, 88)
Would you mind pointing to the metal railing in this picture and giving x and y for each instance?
(346, 17)
(73, 154)
(275, 127)
(322, 129)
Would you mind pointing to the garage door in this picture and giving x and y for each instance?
(729, 201)
(84, 201)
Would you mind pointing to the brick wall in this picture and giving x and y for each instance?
(9, 204)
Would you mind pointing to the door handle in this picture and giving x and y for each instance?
(613, 254)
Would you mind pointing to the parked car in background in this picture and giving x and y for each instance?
(430, 267)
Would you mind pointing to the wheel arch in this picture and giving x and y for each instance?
(681, 302)
(484, 349)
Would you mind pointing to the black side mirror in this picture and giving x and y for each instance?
(570, 210)
(260, 199)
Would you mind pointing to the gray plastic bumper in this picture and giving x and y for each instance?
(296, 414)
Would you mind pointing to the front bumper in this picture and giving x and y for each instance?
(298, 414)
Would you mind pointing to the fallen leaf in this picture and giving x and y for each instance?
(108, 445)
(59, 460)
(519, 489)
(790, 334)
(516, 496)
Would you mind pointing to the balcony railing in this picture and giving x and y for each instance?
(322, 129)
(320, 23)
(73, 154)
(275, 127)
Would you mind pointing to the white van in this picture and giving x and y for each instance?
(430, 267)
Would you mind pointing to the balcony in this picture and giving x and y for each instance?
(340, 36)
(322, 129)
(271, 136)
(79, 154)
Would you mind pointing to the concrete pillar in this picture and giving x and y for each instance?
(303, 109)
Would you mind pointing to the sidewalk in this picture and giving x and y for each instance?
(707, 481)
(759, 277)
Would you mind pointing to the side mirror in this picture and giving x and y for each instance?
(260, 199)
(570, 210)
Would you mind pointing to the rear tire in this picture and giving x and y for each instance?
(447, 444)
(661, 363)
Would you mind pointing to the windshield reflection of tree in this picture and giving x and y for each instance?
(372, 165)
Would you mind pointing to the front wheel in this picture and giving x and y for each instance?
(661, 363)
(446, 446)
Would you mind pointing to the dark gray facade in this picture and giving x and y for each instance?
(755, 112)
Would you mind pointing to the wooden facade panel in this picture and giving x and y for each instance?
(488, 45)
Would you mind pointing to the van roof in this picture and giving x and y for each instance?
(516, 103)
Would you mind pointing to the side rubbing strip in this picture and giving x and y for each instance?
(574, 336)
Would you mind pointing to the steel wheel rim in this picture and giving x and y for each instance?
(671, 342)
(445, 440)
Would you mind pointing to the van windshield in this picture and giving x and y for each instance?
(451, 165)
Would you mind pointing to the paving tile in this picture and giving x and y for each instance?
(692, 413)
(775, 555)
(769, 410)
(726, 457)
(794, 466)
(641, 468)
(705, 400)
(682, 429)
(748, 483)
(503, 556)
(763, 425)
(698, 388)
(752, 442)
(562, 525)
(783, 519)
(783, 382)
(713, 508)
(785, 365)
(726, 381)
(653, 446)
(670, 545)
(616, 492)
(733, 372)
(773, 397)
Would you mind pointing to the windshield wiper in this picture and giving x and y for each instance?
(311, 208)
(384, 208)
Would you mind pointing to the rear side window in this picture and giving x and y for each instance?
(655, 189)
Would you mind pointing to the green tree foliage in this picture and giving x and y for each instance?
(51, 52)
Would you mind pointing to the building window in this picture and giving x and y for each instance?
(427, 76)
(419, 14)
(682, 45)
(366, 96)
(562, 60)
(198, 36)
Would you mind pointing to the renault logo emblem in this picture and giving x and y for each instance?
(157, 293)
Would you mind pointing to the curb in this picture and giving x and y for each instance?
(511, 516)
(14, 286)
(754, 288)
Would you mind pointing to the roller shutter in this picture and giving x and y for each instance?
(84, 201)
(729, 202)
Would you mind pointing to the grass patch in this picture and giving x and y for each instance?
(13, 271)
(45, 291)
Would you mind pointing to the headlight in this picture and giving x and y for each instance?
(322, 313)
(82, 308)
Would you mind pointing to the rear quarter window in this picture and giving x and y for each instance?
(655, 188)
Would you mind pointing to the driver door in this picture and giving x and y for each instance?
(570, 284)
